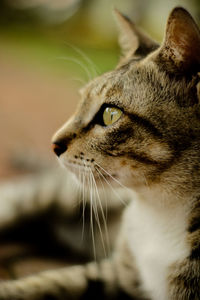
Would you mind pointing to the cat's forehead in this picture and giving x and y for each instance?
(100, 84)
(135, 86)
(109, 82)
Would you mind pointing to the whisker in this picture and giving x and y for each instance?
(122, 201)
(79, 63)
(95, 209)
(77, 166)
(83, 204)
(117, 181)
(91, 218)
(83, 82)
(104, 193)
(98, 220)
(79, 185)
(104, 220)
(85, 57)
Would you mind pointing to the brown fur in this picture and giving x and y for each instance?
(154, 149)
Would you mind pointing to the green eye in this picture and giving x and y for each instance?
(111, 115)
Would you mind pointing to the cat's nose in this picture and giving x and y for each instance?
(59, 147)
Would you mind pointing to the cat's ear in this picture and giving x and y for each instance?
(180, 50)
(132, 40)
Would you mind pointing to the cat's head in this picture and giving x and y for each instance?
(134, 121)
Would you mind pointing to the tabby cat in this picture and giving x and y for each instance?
(141, 124)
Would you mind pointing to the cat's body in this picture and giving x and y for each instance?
(155, 247)
(141, 124)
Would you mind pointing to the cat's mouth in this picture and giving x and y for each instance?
(75, 166)
(90, 173)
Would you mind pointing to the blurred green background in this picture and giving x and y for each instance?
(46, 31)
(48, 49)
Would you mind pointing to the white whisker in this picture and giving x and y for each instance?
(76, 166)
(103, 217)
(117, 181)
(98, 220)
(85, 57)
(83, 204)
(79, 185)
(124, 203)
(79, 63)
(104, 193)
(83, 82)
(91, 218)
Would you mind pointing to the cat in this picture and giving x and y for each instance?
(140, 124)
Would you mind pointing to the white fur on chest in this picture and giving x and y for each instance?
(157, 238)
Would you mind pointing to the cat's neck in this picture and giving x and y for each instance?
(157, 236)
(164, 197)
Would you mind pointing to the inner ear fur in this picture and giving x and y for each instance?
(180, 50)
(132, 40)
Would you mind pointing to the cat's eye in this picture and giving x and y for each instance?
(111, 115)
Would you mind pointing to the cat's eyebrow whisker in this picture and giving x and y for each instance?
(117, 181)
(78, 62)
(83, 82)
(103, 216)
(85, 57)
(108, 183)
